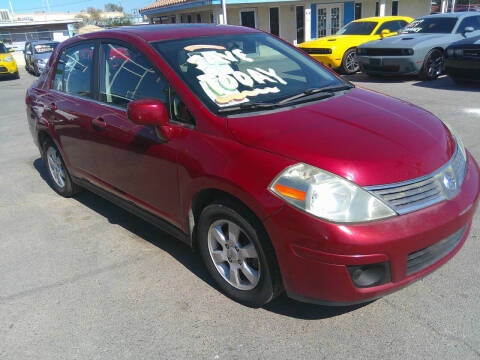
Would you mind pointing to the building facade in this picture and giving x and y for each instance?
(295, 21)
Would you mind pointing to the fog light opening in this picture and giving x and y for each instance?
(370, 274)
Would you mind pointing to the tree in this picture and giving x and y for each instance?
(113, 7)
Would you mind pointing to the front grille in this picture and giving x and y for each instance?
(408, 196)
(475, 53)
(317, 51)
(3, 69)
(421, 259)
(383, 52)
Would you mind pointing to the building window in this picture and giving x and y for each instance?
(248, 17)
(394, 8)
(199, 18)
(211, 18)
(300, 24)
(189, 18)
(358, 11)
(182, 19)
(377, 9)
(173, 20)
(274, 21)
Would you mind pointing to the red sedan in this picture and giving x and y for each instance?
(282, 175)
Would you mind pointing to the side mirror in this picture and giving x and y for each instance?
(468, 29)
(11, 50)
(150, 112)
(385, 32)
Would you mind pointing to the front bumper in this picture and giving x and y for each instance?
(463, 69)
(313, 254)
(331, 60)
(8, 68)
(394, 65)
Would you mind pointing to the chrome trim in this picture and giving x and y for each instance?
(419, 193)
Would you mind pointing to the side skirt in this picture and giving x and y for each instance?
(131, 207)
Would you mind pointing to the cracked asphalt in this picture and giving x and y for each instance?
(82, 279)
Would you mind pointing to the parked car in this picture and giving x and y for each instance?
(280, 173)
(420, 48)
(338, 51)
(36, 55)
(8, 65)
(462, 61)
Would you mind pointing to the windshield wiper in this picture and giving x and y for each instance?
(327, 91)
(248, 106)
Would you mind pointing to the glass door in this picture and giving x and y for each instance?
(329, 19)
(300, 25)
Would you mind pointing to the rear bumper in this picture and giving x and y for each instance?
(313, 254)
(400, 65)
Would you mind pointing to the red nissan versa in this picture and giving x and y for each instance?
(284, 176)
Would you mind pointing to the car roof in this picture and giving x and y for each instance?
(172, 31)
(384, 18)
(450, 15)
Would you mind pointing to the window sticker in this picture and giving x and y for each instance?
(220, 81)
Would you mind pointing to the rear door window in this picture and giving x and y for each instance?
(77, 77)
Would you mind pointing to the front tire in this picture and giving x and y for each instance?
(350, 63)
(238, 254)
(57, 171)
(433, 65)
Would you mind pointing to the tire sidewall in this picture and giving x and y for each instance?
(424, 74)
(263, 292)
(67, 190)
(343, 66)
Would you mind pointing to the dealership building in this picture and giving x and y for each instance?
(294, 21)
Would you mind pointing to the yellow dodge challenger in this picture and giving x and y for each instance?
(8, 66)
(338, 51)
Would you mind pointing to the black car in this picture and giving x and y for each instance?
(37, 54)
(462, 61)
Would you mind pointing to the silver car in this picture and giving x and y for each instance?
(37, 54)
(419, 48)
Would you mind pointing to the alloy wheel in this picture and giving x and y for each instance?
(435, 66)
(234, 254)
(55, 166)
(351, 62)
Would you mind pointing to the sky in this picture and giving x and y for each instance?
(23, 6)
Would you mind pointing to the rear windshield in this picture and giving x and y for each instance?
(226, 70)
(45, 48)
(358, 28)
(439, 25)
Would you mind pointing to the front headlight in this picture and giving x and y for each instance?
(459, 141)
(8, 58)
(328, 196)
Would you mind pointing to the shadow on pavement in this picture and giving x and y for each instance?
(362, 77)
(446, 83)
(191, 260)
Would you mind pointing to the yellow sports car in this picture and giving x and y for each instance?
(338, 51)
(8, 66)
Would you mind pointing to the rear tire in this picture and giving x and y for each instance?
(433, 65)
(238, 254)
(57, 172)
(350, 63)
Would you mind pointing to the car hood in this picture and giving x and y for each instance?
(366, 137)
(407, 40)
(334, 40)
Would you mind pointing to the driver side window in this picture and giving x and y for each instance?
(392, 26)
(472, 21)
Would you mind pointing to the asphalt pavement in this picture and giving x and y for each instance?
(82, 279)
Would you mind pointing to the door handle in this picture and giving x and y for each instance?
(51, 107)
(99, 124)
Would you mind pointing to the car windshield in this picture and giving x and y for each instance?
(358, 28)
(3, 49)
(226, 70)
(435, 25)
(45, 48)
